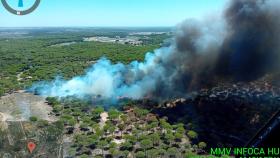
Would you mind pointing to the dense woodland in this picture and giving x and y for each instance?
(32, 57)
(128, 131)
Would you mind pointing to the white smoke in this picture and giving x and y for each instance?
(110, 80)
(166, 72)
(235, 46)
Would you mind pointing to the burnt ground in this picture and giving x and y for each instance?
(227, 115)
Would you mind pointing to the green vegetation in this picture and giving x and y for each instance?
(192, 134)
(128, 131)
(202, 145)
(33, 119)
(134, 131)
(47, 136)
(26, 59)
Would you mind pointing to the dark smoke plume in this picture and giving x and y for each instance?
(251, 48)
(244, 45)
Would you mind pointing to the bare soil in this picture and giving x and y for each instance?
(20, 106)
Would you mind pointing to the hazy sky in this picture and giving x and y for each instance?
(111, 12)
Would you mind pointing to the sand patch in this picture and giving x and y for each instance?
(21, 106)
(104, 117)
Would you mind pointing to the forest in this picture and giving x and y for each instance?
(33, 57)
(94, 129)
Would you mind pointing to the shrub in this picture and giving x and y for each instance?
(190, 154)
(33, 118)
(42, 123)
(140, 154)
(202, 145)
(192, 134)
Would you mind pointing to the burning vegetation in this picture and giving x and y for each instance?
(241, 46)
(219, 68)
(216, 82)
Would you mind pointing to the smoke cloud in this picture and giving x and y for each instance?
(244, 45)
(251, 48)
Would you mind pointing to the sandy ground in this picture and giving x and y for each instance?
(118, 141)
(19, 76)
(104, 117)
(3, 119)
(21, 106)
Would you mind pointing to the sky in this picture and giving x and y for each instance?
(110, 13)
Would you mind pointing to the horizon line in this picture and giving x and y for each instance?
(87, 26)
